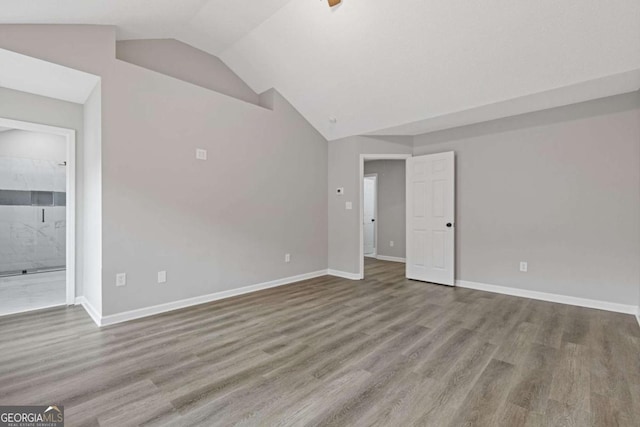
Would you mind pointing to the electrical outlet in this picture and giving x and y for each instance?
(287, 257)
(391, 243)
(162, 276)
(121, 279)
(523, 266)
(201, 154)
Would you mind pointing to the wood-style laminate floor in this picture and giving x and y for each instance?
(384, 351)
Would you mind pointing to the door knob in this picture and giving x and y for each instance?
(373, 220)
(449, 225)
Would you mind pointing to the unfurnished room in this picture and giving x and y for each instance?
(319, 213)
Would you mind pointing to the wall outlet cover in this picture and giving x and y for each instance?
(391, 243)
(524, 266)
(287, 257)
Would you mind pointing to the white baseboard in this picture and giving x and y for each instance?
(544, 296)
(391, 258)
(344, 274)
(93, 313)
(175, 305)
(370, 255)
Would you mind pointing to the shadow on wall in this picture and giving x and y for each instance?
(184, 62)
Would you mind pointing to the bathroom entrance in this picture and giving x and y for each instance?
(34, 216)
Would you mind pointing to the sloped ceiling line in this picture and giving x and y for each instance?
(380, 66)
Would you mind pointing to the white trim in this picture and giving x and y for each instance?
(375, 215)
(93, 313)
(70, 135)
(175, 305)
(544, 296)
(364, 157)
(638, 318)
(391, 258)
(374, 256)
(344, 274)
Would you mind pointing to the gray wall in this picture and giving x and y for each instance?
(344, 167)
(38, 109)
(558, 189)
(391, 219)
(213, 226)
(92, 196)
(177, 59)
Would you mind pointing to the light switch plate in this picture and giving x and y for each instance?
(287, 257)
(391, 243)
(162, 276)
(348, 206)
(201, 154)
(121, 279)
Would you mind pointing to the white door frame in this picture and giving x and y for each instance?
(375, 214)
(364, 157)
(70, 135)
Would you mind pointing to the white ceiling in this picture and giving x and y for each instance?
(212, 25)
(27, 74)
(380, 66)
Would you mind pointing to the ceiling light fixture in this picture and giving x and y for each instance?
(334, 2)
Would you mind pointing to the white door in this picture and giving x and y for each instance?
(430, 218)
(369, 217)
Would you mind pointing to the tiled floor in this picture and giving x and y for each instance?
(32, 291)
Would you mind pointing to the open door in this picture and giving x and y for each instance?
(369, 215)
(430, 218)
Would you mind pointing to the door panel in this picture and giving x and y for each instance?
(369, 208)
(430, 209)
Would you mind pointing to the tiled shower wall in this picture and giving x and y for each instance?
(32, 214)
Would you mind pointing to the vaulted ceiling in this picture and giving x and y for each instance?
(391, 67)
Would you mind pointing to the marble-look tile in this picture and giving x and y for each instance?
(27, 243)
(30, 174)
(32, 291)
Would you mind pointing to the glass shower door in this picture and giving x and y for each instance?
(32, 216)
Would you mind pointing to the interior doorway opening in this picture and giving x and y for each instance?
(37, 216)
(382, 210)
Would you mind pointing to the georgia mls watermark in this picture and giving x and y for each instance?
(32, 416)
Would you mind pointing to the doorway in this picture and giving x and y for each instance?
(37, 216)
(382, 207)
(370, 206)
